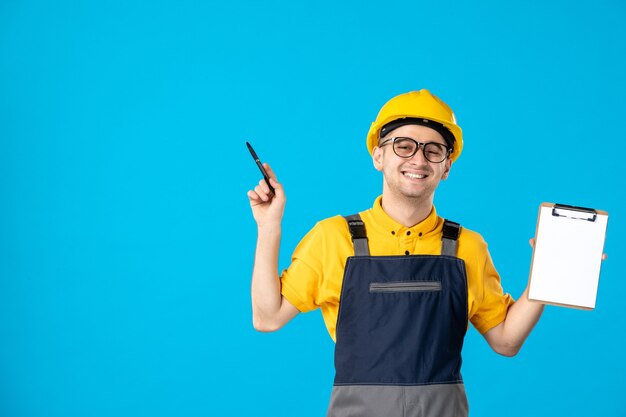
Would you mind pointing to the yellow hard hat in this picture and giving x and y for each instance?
(425, 107)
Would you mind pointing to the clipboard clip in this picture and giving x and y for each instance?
(590, 214)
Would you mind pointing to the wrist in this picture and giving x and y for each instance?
(270, 228)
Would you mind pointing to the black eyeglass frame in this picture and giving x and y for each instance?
(417, 148)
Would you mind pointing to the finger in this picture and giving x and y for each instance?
(262, 193)
(264, 186)
(532, 242)
(276, 184)
(273, 181)
(604, 256)
(270, 171)
(254, 197)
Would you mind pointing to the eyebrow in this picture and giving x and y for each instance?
(416, 140)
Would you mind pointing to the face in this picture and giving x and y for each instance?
(415, 177)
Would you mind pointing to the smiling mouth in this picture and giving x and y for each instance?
(414, 176)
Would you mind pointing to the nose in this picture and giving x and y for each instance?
(419, 155)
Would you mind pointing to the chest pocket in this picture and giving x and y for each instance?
(405, 286)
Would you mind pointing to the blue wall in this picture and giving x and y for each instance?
(126, 240)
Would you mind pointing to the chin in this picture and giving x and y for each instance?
(414, 195)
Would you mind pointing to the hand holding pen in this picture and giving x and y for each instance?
(261, 167)
(267, 200)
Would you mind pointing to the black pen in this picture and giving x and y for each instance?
(263, 171)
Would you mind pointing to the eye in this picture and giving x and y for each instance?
(405, 144)
(435, 149)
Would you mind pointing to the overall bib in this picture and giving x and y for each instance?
(400, 330)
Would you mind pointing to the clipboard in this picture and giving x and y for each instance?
(565, 267)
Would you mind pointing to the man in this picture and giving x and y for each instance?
(407, 280)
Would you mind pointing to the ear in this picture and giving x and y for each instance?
(446, 170)
(377, 158)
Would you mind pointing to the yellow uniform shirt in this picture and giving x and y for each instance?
(314, 278)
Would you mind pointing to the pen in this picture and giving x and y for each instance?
(260, 165)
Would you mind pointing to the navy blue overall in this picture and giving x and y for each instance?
(400, 330)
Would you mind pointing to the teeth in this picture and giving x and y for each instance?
(414, 176)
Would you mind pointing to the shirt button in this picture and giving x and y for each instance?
(408, 233)
(393, 232)
(406, 252)
(420, 234)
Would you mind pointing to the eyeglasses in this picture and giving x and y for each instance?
(407, 147)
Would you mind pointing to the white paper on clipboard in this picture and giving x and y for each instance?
(566, 262)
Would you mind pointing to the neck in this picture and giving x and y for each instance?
(405, 210)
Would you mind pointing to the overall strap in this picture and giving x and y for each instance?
(359, 237)
(449, 243)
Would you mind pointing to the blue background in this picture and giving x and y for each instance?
(126, 239)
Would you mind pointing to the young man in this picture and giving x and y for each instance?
(407, 280)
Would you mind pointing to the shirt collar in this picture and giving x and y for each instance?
(388, 225)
